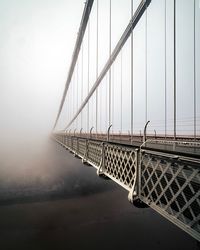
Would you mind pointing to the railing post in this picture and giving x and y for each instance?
(70, 138)
(91, 132)
(139, 162)
(70, 146)
(140, 135)
(73, 142)
(129, 136)
(145, 131)
(135, 188)
(155, 133)
(77, 145)
(100, 170)
(80, 131)
(65, 137)
(108, 132)
(84, 159)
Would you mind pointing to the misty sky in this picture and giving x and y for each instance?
(150, 62)
(37, 39)
(36, 45)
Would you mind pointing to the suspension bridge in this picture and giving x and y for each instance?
(131, 106)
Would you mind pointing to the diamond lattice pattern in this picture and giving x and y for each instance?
(120, 163)
(172, 185)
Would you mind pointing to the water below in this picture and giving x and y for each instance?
(50, 200)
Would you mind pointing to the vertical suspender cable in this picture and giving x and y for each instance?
(77, 81)
(73, 95)
(195, 112)
(109, 91)
(113, 81)
(165, 67)
(71, 113)
(74, 83)
(68, 110)
(121, 93)
(174, 69)
(72, 98)
(82, 28)
(88, 108)
(106, 102)
(127, 32)
(97, 62)
(100, 107)
(82, 84)
(68, 100)
(70, 103)
(131, 76)
(146, 66)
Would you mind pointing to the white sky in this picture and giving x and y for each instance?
(37, 40)
(155, 85)
(36, 45)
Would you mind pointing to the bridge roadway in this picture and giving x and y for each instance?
(181, 148)
(166, 180)
(185, 146)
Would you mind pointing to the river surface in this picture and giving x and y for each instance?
(50, 200)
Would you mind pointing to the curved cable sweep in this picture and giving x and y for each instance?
(82, 28)
(133, 22)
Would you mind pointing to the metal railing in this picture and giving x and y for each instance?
(168, 183)
(171, 186)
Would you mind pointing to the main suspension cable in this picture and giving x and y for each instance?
(133, 22)
(82, 28)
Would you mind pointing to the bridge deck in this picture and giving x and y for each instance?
(166, 180)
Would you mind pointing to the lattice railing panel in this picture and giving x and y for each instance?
(94, 153)
(67, 141)
(166, 182)
(120, 163)
(81, 147)
(75, 144)
(173, 186)
(70, 142)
